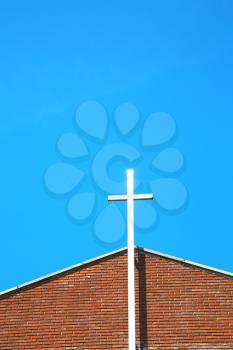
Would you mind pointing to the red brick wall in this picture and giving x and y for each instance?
(178, 307)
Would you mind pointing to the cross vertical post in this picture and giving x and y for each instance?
(130, 197)
(131, 281)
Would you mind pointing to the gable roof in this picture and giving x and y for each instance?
(104, 256)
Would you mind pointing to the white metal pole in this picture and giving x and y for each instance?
(131, 283)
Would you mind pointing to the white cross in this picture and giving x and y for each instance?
(130, 197)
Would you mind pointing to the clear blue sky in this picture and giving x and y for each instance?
(162, 56)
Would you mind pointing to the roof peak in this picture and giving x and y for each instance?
(104, 256)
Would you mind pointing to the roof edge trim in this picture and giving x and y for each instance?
(163, 255)
(188, 262)
(66, 269)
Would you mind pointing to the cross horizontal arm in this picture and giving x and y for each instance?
(118, 198)
(143, 196)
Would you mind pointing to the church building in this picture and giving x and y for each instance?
(179, 305)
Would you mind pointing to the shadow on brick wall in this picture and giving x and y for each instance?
(141, 267)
